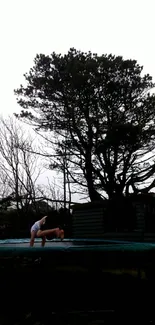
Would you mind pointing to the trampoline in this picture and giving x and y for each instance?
(76, 245)
(76, 274)
(88, 254)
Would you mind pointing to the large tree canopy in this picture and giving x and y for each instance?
(102, 115)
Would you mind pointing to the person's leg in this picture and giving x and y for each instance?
(43, 241)
(44, 233)
(32, 238)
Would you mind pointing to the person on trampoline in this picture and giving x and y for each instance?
(36, 231)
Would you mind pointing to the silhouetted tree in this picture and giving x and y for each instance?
(99, 109)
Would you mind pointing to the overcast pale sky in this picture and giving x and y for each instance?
(27, 27)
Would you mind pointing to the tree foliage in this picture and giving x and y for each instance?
(100, 112)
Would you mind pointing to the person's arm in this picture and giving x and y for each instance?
(43, 220)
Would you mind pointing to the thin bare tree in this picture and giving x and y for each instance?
(19, 169)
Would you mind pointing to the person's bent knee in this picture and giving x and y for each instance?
(62, 234)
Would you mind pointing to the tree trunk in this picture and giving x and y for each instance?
(93, 194)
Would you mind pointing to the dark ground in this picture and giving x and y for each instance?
(43, 297)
